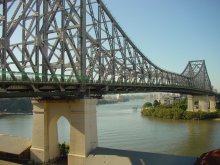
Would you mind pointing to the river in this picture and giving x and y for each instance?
(121, 127)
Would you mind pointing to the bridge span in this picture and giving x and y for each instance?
(73, 51)
(77, 48)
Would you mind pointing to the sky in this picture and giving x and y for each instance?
(172, 32)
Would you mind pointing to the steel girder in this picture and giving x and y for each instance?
(197, 72)
(73, 45)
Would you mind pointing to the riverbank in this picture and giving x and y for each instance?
(10, 114)
(178, 114)
(216, 119)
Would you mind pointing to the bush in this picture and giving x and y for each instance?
(188, 115)
(147, 112)
(218, 113)
(177, 111)
(182, 106)
(167, 114)
(64, 150)
(173, 113)
(178, 114)
(156, 103)
(147, 104)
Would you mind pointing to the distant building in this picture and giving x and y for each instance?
(168, 98)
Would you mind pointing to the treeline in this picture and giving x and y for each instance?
(176, 111)
(111, 101)
(18, 105)
(104, 101)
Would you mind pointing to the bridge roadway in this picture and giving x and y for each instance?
(93, 90)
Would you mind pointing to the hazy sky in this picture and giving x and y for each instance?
(172, 32)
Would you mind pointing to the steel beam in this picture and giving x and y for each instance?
(44, 50)
(4, 40)
(83, 39)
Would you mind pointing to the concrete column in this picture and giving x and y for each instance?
(162, 101)
(212, 103)
(203, 103)
(171, 100)
(190, 103)
(81, 115)
(40, 146)
(83, 131)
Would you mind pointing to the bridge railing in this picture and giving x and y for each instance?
(39, 78)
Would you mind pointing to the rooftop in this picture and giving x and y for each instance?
(14, 145)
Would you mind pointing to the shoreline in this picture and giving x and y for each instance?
(217, 119)
(10, 114)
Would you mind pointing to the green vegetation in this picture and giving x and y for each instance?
(177, 111)
(64, 150)
(218, 105)
(156, 103)
(218, 113)
(20, 105)
(147, 105)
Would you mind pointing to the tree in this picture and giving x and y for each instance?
(22, 105)
(147, 105)
(156, 103)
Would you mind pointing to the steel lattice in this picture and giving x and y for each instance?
(76, 48)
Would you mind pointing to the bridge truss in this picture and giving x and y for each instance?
(76, 48)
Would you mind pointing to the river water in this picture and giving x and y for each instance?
(121, 127)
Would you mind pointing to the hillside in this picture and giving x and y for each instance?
(18, 105)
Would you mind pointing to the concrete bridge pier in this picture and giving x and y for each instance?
(81, 115)
(190, 103)
(212, 103)
(205, 103)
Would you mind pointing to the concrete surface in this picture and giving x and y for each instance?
(106, 156)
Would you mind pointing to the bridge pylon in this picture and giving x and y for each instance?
(81, 115)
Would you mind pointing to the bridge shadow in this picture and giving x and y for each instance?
(115, 156)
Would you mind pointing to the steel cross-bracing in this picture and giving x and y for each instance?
(75, 48)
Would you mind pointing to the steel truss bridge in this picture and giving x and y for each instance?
(76, 48)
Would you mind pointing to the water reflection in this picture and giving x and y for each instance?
(200, 136)
(190, 138)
